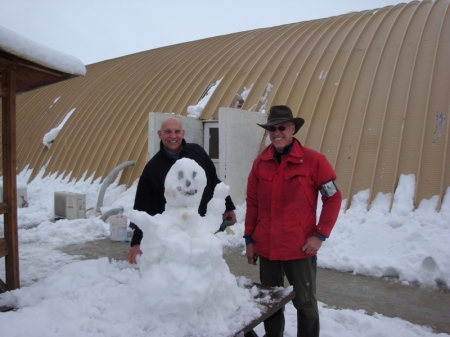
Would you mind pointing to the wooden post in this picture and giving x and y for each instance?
(8, 87)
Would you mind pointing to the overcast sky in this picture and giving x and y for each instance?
(97, 30)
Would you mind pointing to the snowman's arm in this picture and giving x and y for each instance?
(142, 219)
(216, 206)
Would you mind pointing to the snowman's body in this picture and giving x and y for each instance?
(182, 258)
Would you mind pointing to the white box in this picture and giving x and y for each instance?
(118, 227)
(70, 205)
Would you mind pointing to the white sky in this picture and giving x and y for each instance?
(97, 30)
(64, 296)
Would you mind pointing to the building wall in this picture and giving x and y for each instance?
(239, 141)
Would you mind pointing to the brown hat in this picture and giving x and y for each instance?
(280, 114)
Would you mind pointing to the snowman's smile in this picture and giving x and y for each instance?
(184, 192)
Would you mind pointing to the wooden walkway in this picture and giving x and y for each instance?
(274, 300)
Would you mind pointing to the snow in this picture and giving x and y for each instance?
(196, 110)
(173, 291)
(406, 244)
(180, 247)
(50, 136)
(36, 52)
(61, 295)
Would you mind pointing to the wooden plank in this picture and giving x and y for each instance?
(279, 297)
(5, 309)
(2, 287)
(8, 86)
(3, 248)
(4, 207)
(30, 75)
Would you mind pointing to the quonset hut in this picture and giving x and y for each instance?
(372, 86)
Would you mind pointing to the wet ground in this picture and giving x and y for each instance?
(428, 307)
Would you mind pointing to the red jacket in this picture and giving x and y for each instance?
(282, 202)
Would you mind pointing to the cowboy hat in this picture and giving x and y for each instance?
(280, 114)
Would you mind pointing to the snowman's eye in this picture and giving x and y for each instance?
(194, 174)
(180, 175)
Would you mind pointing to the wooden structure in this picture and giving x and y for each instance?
(276, 298)
(18, 73)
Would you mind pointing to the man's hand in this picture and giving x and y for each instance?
(312, 245)
(250, 253)
(230, 214)
(133, 253)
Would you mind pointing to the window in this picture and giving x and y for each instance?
(211, 141)
(214, 143)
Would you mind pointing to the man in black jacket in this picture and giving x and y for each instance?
(150, 190)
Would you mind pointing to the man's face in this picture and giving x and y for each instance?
(281, 138)
(171, 134)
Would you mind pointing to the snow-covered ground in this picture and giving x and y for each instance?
(63, 296)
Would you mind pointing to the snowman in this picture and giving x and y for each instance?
(182, 264)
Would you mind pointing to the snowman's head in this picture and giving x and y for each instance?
(184, 184)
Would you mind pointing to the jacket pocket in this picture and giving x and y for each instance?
(299, 186)
(266, 175)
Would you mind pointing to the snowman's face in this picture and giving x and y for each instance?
(186, 187)
(184, 184)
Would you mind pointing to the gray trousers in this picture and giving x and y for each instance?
(301, 274)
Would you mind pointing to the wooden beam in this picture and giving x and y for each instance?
(4, 207)
(29, 75)
(8, 92)
(2, 289)
(3, 248)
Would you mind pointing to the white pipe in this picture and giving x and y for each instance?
(110, 212)
(107, 181)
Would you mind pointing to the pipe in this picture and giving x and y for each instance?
(112, 211)
(107, 181)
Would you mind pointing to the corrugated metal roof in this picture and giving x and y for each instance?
(373, 87)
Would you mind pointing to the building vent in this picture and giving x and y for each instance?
(69, 205)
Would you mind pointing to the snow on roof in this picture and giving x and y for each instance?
(25, 48)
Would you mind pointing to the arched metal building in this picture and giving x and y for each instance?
(373, 87)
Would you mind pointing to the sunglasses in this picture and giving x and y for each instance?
(274, 128)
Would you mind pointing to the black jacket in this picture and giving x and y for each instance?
(150, 190)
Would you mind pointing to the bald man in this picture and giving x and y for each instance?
(150, 191)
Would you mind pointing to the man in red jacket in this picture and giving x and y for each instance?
(280, 222)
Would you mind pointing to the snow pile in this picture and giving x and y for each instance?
(62, 296)
(36, 52)
(178, 246)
